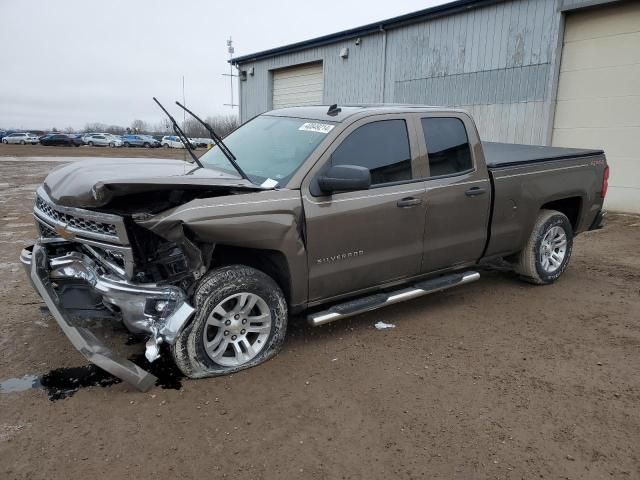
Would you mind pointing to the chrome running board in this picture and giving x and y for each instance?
(377, 300)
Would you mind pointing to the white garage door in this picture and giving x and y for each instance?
(599, 94)
(301, 85)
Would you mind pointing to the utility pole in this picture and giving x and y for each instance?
(231, 75)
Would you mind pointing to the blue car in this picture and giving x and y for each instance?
(145, 141)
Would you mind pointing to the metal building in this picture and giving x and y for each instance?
(561, 72)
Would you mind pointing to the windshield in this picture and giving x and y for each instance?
(269, 147)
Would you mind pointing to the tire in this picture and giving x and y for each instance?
(221, 290)
(22, 142)
(166, 145)
(548, 250)
(6, 142)
(126, 144)
(111, 145)
(90, 144)
(147, 145)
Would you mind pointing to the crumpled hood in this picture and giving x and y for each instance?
(94, 183)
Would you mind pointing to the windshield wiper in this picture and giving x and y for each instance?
(178, 131)
(218, 142)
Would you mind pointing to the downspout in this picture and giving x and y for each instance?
(384, 63)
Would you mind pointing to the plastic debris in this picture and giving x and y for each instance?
(384, 326)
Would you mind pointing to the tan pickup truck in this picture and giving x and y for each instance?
(336, 210)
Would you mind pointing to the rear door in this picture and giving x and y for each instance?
(360, 239)
(458, 192)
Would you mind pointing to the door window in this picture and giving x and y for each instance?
(382, 147)
(448, 146)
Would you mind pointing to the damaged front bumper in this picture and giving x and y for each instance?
(159, 311)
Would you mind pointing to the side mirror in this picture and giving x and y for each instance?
(344, 178)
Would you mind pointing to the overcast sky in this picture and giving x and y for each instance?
(69, 62)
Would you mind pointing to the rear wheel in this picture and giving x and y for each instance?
(22, 142)
(240, 322)
(147, 145)
(90, 144)
(111, 145)
(548, 250)
(166, 145)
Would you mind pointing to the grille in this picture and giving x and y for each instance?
(76, 222)
(114, 257)
(46, 231)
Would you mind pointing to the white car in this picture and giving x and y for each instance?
(102, 140)
(203, 142)
(171, 141)
(21, 138)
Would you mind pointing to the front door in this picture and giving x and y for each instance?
(360, 239)
(458, 196)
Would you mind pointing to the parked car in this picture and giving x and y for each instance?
(173, 141)
(102, 140)
(343, 211)
(21, 138)
(145, 141)
(61, 139)
(203, 142)
(3, 134)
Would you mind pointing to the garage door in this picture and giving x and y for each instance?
(300, 85)
(599, 94)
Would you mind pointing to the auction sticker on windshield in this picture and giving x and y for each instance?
(316, 127)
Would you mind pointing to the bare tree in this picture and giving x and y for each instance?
(221, 124)
(139, 126)
(95, 127)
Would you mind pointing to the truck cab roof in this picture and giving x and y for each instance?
(323, 112)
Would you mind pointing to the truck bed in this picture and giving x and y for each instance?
(509, 154)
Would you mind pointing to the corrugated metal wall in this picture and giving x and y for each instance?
(499, 62)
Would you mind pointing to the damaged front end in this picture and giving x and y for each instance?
(84, 267)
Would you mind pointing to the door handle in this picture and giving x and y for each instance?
(475, 191)
(408, 202)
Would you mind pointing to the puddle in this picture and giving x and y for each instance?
(169, 376)
(61, 383)
(21, 384)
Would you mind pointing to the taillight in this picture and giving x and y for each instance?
(605, 183)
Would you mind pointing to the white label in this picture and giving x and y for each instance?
(316, 127)
(269, 183)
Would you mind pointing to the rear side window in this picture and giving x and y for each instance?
(382, 147)
(447, 145)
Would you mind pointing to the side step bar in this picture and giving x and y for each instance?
(375, 301)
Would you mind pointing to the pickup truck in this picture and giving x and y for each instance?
(328, 212)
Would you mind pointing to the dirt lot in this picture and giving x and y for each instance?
(497, 379)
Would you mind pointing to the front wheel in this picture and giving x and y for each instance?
(22, 142)
(240, 322)
(548, 250)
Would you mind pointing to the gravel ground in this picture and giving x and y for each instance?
(497, 379)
